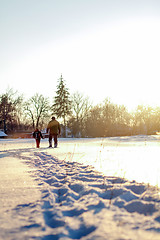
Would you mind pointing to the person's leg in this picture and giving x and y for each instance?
(37, 143)
(55, 140)
(50, 140)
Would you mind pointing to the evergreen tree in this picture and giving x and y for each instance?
(62, 103)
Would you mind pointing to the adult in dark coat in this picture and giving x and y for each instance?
(54, 129)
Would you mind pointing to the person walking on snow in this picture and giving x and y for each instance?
(37, 135)
(54, 129)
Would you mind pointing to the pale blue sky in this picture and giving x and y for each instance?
(103, 48)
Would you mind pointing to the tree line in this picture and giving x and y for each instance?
(76, 113)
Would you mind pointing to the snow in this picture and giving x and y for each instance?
(84, 189)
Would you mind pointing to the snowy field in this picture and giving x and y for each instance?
(88, 189)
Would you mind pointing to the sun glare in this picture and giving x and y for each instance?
(118, 60)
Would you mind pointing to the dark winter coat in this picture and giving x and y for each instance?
(54, 127)
(37, 134)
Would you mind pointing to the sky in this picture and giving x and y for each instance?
(102, 48)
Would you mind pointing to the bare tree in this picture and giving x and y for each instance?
(94, 123)
(37, 108)
(80, 110)
(116, 118)
(10, 105)
(144, 119)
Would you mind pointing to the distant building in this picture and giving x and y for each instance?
(44, 133)
(68, 132)
(2, 134)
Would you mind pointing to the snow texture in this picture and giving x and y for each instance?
(66, 193)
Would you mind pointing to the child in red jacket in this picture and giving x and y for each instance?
(37, 135)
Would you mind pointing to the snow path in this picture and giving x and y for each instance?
(18, 191)
(61, 199)
(134, 158)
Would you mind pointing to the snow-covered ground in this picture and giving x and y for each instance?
(85, 189)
